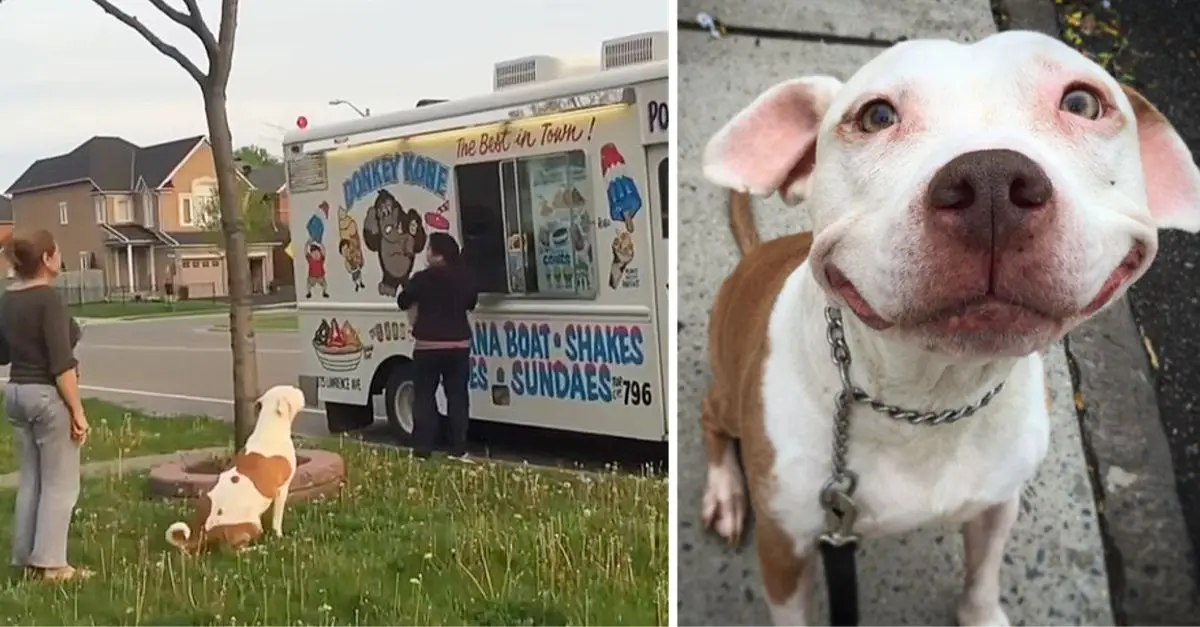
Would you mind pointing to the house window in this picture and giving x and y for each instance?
(528, 228)
(62, 213)
(124, 213)
(148, 209)
(99, 209)
(187, 215)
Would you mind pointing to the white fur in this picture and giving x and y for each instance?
(240, 502)
(862, 195)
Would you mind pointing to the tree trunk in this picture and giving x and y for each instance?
(237, 265)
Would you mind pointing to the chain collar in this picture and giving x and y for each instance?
(837, 492)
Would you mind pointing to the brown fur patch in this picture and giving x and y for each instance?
(236, 535)
(1142, 109)
(733, 405)
(268, 474)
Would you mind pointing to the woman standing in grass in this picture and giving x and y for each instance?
(43, 405)
(443, 293)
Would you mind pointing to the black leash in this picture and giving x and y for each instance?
(842, 580)
(839, 542)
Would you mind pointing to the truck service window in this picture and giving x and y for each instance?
(531, 222)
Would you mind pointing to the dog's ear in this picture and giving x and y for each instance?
(1172, 179)
(771, 145)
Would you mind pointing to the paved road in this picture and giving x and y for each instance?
(1054, 572)
(176, 366)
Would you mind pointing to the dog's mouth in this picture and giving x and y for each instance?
(988, 313)
(854, 300)
(1121, 275)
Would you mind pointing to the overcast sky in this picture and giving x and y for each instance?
(68, 71)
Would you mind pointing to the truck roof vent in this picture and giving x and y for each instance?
(526, 70)
(635, 49)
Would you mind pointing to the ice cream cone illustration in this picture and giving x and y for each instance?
(624, 200)
(622, 250)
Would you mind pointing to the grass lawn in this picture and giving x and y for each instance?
(270, 322)
(147, 309)
(405, 543)
(117, 433)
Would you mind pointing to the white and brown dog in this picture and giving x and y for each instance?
(971, 204)
(231, 512)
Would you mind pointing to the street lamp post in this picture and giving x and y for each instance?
(366, 113)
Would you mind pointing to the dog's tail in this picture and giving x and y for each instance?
(178, 535)
(741, 221)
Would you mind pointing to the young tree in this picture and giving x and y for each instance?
(256, 214)
(218, 49)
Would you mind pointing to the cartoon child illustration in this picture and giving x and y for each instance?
(388, 231)
(350, 247)
(314, 254)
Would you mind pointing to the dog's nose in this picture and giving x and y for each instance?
(988, 196)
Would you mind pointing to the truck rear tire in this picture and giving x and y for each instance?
(398, 394)
(340, 417)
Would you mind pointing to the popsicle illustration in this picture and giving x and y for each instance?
(624, 200)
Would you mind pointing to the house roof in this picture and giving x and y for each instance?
(268, 178)
(6, 214)
(111, 164)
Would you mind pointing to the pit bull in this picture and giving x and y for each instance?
(971, 203)
(231, 512)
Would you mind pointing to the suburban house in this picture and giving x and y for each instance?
(136, 213)
(6, 227)
(271, 182)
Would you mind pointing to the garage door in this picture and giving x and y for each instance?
(202, 276)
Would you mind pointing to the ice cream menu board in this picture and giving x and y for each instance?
(560, 223)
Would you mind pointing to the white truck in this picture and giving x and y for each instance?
(556, 186)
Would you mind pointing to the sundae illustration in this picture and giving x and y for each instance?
(622, 250)
(624, 200)
(314, 254)
(350, 246)
(338, 347)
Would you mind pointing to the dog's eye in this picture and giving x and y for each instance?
(1081, 102)
(876, 116)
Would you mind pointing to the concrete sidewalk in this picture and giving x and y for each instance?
(1054, 572)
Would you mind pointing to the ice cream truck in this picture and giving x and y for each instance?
(555, 185)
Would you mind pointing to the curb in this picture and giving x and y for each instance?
(1150, 573)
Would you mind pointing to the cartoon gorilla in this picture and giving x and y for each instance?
(397, 236)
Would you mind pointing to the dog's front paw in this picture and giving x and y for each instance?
(278, 532)
(975, 615)
(724, 507)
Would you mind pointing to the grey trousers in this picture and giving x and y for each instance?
(49, 485)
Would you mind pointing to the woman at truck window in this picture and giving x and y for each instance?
(442, 294)
(42, 402)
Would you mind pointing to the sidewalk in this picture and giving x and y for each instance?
(1054, 572)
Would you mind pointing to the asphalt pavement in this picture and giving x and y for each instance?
(1157, 54)
(183, 366)
(1054, 572)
